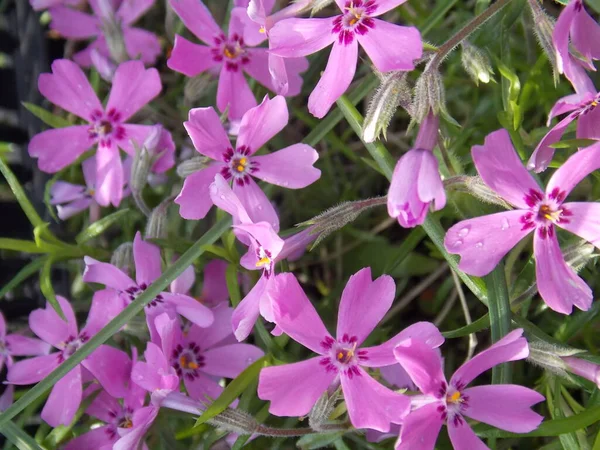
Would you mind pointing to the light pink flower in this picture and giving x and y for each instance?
(291, 167)
(230, 56)
(195, 356)
(292, 38)
(482, 242)
(77, 25)
(416, 183)
(293, 389)
(110, 366)
(68, 87)
(506, 406)
(583, 368)
(147, 269)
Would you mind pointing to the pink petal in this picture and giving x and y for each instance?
(203, 388)
(134, 136)
(102, 406)
(372, 405)
(223, 197)
(265, 236)
(335, 80)
(197, 18)
(558, 284)
(295, 314)
(483, 241)
(258, 67)
(111, 367)
(132, 10)
(59, 147)
(422, 363)
(387, 57)
(106, 274)
(68, 87)
(142, 420)
(542, 155)
(233, 92)
(256, 203)
(568, 104)
(207, 133)
(430, 188)
(184, 282)
(291, 167)
(246, 313)
(463, 437)
(98, 438)
(2, 325)
(501, 169)
(155, 373)
(253, 17)
(262, 122)
(147, 261)
(511, 347)
(133, 87)
(363, 305)
(383, 354)
(214, 287)
(585, 36)
(106, 305)
(292, 38)
(218, 331)
(230, 360)
(507, 407)
(190, 59)
(396, 376)
(64, 400)
(48, 325)
(383, 6)
(74, 24)
(584, 221)
(109, 175)
(26, 346)
(63, 192)
(587, 125)
(85, 58)
(560, 36)
(32, 370)
(293, 67)
(575, 169)
(421, 429)
(70, 209)
(193, 200)
(141, 44)
(295, 245)
(293, 389)
(190, 308)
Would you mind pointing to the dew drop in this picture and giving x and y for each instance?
(479, 245)
(458, 243)
(463, 232)
(505, 224)
(285, 183)
(222, 197)
(260, 207)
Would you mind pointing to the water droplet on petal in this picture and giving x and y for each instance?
(285, 183)
(505, 224)
(458, 243)
(463, 232)
(222, 197)
(479, 245)
(260, 207)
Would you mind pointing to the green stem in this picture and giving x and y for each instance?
(18, 437)
(119, 321)
(500, 317)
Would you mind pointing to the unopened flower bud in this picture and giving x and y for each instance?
(429, 95)
(144, 158)
(113, 32)
(195, 87)
(318, 5)
(392, 92)
(476, 63)
(477, 188)
(192, 165)
(550, 357)
(122, 257)
(577, 256)
(583, 368)
(543, 27)
(321, 411)
(235, 421)
(156, 227)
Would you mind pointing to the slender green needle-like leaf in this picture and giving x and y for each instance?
(19, 193)
(97, 228)
(46, 116)
(18, 437)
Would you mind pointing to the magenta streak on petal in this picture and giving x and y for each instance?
(355, 20)
(231, 51)
(239, 165)
(545, 211)
(106, 126)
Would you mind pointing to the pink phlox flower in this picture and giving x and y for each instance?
(416, 185)
(584, 368)
(357, 24)
(197, 356)
(110, 366)
(77, 25)
(40, 5)
(68, 87)
(293, 389)
(214, 287)
(147, 269)
(577, 27)
(291, 167)
(483, 241)
(505, 406)
(229, 55)
(265, 249)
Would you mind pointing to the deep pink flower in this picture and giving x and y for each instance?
(584, 33)
(416, 183)
(584, 368)
(230, 55)
(110, 366)
(293, 389)
(195, 356)
(265, 249)
(506, 406)
(581, 107)
(147, 269)
(291, 167)
(214, 287)
(77, 25)
(40, 5)
(482, 242)
(68, 87)
(292, 38)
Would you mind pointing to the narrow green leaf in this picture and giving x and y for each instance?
(318, 440)
(218, 251)
(233, 285)
(45, 116)
(500, 315)
(480, 324)
(233, 390)
(100, 226)
(18, 437)
(19, 245)
(408, 245)
(47, 289)
(22, 275)
(113, 327)
(19, 193)
(573, 143)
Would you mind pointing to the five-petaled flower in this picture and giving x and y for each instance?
(293, 389)
(483, 241)
(292, 38)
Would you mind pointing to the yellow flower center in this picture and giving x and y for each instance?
(454, 398)
(185, 363)
(263, 261)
